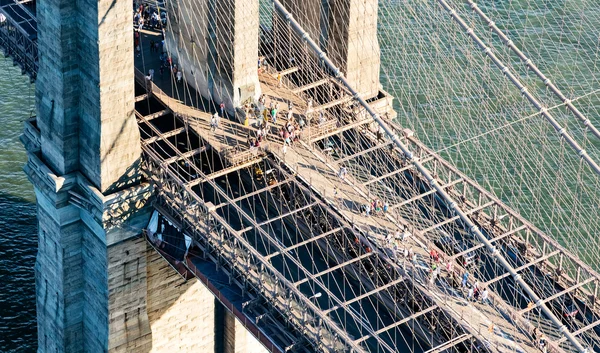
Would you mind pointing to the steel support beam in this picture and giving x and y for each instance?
(453, 342)
(156, 115)
(363, 152)
(581, 330)
(291, 70)
(310, 85)
(538, 260)
(420, 196)
(223, 172)
(163, 136)
(141, 97)
(290, 213)
(360, 297)
(398, 323)
(331, 269)
(397, 171)
(259, 191)
(449, 220)
(330, 104)
(302, 243)
(493, 240)
(561, 293)
(342, 129)
(185, 155)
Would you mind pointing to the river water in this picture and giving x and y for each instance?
(18, 228)
(430, 90)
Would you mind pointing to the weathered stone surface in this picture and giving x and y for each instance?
(217, 47)
(237, 339)
(352, 43)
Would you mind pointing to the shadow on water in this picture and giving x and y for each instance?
(18, 248)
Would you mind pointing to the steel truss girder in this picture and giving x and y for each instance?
(398, 323)
(331, 269)
(364, 152)
(529, 264)
(365, 295)
(305, 242)
(452, 219)
(397, 171)
(425, 194)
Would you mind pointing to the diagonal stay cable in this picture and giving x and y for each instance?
(508, 42)
(443, 194)
(534, 101)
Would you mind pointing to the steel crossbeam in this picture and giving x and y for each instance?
(290, 213)
(331, 269)
(188, 154)
(342, 129)
(397, 171)
(141, 97)
(364, 152)
(398, 323)
(164, 136)
(288, 71)
(425, 194)
(561, 293)
(259, 191)
(156, 115)
(305, 242)
(529, 264)
(452, 219)
(581, 330)
(447, 345)
(310, 85)
(223, 172)
(368, 294)
(493, 240)
(330, 104)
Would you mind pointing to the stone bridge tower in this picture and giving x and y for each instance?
(100, 287)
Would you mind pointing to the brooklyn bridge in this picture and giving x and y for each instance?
(294, 175)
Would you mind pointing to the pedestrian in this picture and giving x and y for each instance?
(465, 279)
(279, 78)
(367, 210)
(151, 73)
(222, 108)
(470, 294)
(214, 123)
(484, 296)
(342, 173)
(179, 76)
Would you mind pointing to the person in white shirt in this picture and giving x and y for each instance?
(484, 296)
